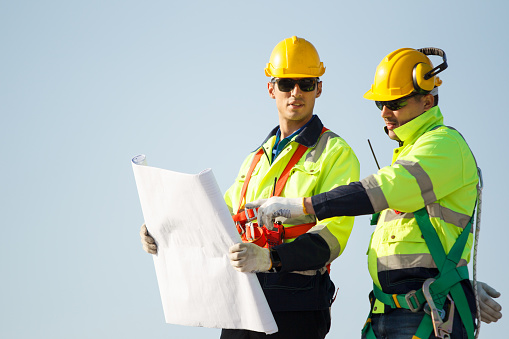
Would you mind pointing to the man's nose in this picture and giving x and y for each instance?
(386, 112)
(296, 90)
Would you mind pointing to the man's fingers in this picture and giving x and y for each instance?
(268, 221)
(148, 243)
(152, 249)
(237, 256)
(149, 239)
(490, 317)
(238, 247)
(491, 291)
(145, 236)
(255, 204)
(491, 303)
(485, 317)
(143, 230)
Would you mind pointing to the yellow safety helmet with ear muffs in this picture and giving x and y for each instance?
(294, 58)
(406, 71)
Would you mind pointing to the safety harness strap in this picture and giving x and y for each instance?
(446, 264)
(280, 184)
(255, 161)
(446, 282)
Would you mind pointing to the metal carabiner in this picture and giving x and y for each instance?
(442, 329)
(445, 329)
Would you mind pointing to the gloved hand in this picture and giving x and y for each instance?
(149, 244)
(248, 257)
(490, 309)
(274, 207)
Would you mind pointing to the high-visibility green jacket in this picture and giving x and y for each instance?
(303, 283)
(433, 167)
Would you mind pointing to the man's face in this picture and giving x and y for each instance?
(295, 105)
(414, 107)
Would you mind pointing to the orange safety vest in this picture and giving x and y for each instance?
(262, 236)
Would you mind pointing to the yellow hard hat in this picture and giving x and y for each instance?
(406, 71)
(294, 58)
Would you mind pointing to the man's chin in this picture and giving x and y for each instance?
(392, 135)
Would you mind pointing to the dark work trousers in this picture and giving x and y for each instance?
(291, 325)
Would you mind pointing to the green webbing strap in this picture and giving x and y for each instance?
(431, 237)
(425, 327)
(445, 264)
(374, 218)
(446, 282)
(370, 334)
(368, 329)
(402, 299)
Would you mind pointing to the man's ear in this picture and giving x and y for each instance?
(318, 89)
(271, 89)
(429, 101)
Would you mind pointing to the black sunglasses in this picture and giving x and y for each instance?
(287, 84)
(394, 105)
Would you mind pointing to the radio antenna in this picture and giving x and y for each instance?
(374, 156)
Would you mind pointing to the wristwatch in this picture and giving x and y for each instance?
(276, 261)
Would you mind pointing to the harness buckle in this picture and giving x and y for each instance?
(241, 229)
(250, 231)
(253, 217)
(412, 296)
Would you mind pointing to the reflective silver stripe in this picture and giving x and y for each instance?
(405, 261)
(423, 180)
(325, 234)
(375, 193)
(449, 216)
(391, 215)
(317, 151)
(435, 210)
(330, 239)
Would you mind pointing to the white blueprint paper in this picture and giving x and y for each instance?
(187, 216)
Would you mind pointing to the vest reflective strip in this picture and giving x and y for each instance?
(317, 151)
(330, 239)
(435, 210)
(423, 180)
(375, 193)
(405, 261)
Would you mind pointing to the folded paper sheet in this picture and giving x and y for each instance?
(193, 229)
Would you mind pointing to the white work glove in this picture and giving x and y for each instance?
(149, 244)
(270, 209)
(490, 309)
(248, 257)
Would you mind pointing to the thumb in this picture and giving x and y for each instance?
(255, 204)
(490, 290)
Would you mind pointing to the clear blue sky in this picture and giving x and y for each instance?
(86, 85)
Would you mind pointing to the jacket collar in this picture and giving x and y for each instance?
(413, 129)
(308, 136)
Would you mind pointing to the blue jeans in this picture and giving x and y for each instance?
(402, 324)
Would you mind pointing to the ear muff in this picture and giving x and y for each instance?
(423, 75)
(421, 84)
